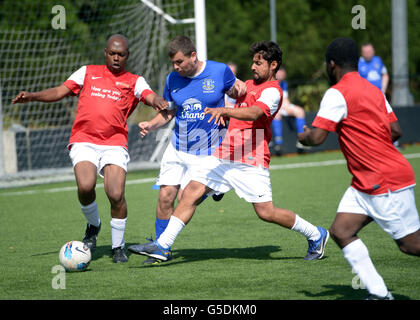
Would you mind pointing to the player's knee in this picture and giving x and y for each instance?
(411, 248)
(85, 188)
(115, 196)
(338, 234)
(264, 214)
(166, 201)
(299, 112)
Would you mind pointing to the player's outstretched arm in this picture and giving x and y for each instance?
(246, 114)
(313, 137)
(396, 131)
(156, 102)
(162, 118)
(47, 95)
(238, 89)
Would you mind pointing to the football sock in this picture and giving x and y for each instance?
(117, 232)
(160, 226)
(167, 238)
(357, 254)
(91, 213)
(307, 229)
(277, 127)
(300, 122)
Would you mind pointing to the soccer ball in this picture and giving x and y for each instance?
(75, 256)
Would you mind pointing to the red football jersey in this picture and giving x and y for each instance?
(361, 116)
(247, 141)
(105, 102)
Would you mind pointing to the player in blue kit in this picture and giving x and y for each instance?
(192, 87)
(372, 68)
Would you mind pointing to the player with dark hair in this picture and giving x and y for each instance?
(181, 44)
(382, 188)
(194, 86)
(108, 94)
(242, 160)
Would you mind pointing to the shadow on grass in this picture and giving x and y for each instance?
(344, 293)
(192, 255)
(251, 253)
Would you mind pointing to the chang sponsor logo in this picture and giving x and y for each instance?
(192, 110)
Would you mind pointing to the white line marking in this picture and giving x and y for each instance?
(148, 180)
(74, 188)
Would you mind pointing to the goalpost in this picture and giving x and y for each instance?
(37, 55)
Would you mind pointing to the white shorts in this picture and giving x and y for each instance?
(175, 165)
(249, 182)
(99, 155)
(395, 212)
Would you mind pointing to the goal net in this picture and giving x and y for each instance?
(42, 44)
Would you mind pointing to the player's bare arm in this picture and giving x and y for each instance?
(396, 131)
(162, 118)
(385, 82)
(47, 95)
(156, 102)
(238, 89)
(312, 137)
(246, 114)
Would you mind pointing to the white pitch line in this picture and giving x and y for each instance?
(307, 164)
(148, 180)
(74, 188)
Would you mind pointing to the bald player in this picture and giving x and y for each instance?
(108, 94)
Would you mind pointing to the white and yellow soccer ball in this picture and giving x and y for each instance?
(75, 256)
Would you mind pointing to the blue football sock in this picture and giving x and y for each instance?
(277, 127)
(160, 226)
(300, 122)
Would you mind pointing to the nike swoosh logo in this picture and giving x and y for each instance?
(323, 243)
(93, 78)
(175, 90)
(77, 249)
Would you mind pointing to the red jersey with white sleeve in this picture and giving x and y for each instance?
(360, 114)
(247, 141)
(105, 102)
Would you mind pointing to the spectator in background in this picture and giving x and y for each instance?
(372, 68)
(287, 109)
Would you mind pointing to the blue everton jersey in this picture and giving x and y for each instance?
(372, 70)
(285, 87)
(190, 96)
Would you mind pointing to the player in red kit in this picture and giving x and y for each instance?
(108, 94)
(382, 188)
(241, 162)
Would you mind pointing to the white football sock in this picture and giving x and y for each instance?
(307, 229)
(117, 232)
(91, 213)
(167, 238)
(357, 254)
